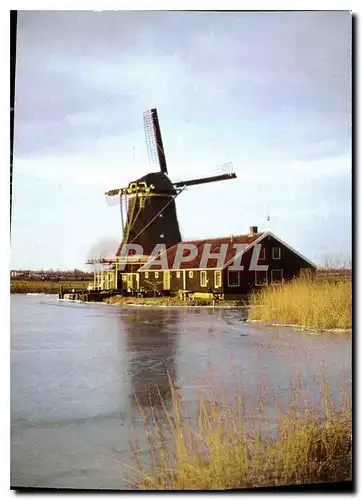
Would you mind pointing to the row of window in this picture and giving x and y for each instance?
(203, 276)
(178, 274)
(204, 280)
(261, 277)
(276, 253)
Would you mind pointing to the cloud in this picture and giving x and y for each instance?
(271, 74)
(269, 91)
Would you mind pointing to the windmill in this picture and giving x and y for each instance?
(149, 201)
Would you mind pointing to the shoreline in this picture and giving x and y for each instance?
(178, 306)
(172, 302)
(181, 305)
(301, 327)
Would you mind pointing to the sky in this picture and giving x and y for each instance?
(270, 92)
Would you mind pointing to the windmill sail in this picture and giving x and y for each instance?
(205, 180)
(156, 153)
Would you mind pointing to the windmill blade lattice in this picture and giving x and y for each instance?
(150, 136)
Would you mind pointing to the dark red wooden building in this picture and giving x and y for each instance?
(264, 259)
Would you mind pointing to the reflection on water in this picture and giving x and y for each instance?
(77, 371)
(151, 349)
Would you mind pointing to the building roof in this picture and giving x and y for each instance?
(244, 239)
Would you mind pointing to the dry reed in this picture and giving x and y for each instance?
(305, 302)
(229, 448)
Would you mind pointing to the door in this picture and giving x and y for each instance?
(166, 280)
(130, 281)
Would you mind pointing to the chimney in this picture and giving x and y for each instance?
(253, 230)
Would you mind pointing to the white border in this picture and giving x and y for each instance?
(280, 253)
(264, 283)
(276, 282)
(4, 198)
(215, 285)
(203, 273)
(233, 271)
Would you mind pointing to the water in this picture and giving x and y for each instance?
(77, 370)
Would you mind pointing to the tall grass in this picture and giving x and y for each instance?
(23, 286)
(229, 448)
(305, 302)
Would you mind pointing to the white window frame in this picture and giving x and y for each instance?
(156, 274)
(217, 274)
(262, 254)
(278, 282)
(266, 276)
(178, 274)
(203, 282)
(238, 275)
(146, 274)
(191, 274)
(279, 253)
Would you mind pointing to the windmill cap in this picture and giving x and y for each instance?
(159, 180)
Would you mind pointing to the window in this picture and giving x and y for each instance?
(178, 274)
(146, 274)
(191, 274)
(277, 276)
(203, 278)
(217, 279)
(306, 272)
(156, 274)
(262, 253)
(124, 277)
(233, 278)
(276, 253)
(261, 278)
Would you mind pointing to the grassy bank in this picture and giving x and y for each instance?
(17, 286)
(307, 303)
(229, 448)
(170, 301)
